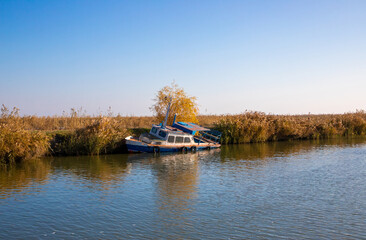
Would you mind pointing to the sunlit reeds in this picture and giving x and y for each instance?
(16, 143)
(78, 134)
(261, 127)
(102, 135)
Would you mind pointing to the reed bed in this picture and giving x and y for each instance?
(76, 134)
(101, 136)
(73, 122)
(16, 143)
(260, 127)
(56, 123)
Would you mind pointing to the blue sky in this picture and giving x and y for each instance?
(283, 57)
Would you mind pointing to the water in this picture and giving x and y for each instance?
(292, 190)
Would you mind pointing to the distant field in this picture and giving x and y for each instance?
(76, 122)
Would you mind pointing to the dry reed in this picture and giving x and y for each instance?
(77, 134)
(260, 127)
(16, 143)
(103, 135)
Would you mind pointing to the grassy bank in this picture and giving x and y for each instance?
(260, 127)
(23, 138)
(102, 136)
(74, 134)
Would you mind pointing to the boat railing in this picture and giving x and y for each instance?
(210, 136)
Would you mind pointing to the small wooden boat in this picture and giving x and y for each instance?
(180, 137)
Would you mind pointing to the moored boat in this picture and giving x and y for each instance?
(180, 136)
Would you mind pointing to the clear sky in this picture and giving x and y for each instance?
(272, 56)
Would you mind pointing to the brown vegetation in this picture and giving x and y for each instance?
(103, 135)
(75, 134)
(260, 127)
(16, 143)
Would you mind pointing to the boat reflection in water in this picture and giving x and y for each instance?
(176, 180)
(268, 190)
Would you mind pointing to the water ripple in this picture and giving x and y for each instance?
(301, 190)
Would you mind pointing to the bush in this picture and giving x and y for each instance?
(15, 142)
(103, 136)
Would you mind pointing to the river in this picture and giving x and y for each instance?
(292, 190)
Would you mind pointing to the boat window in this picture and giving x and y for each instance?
(154, 129)
(178, 139)
(171, 139)
(187, 140)
(162, 134)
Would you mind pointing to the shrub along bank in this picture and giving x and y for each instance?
(16, 143)
(103, 136)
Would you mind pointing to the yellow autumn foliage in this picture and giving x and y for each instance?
(183, 105)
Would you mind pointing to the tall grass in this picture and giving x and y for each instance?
(16, 143)
(78, 134)
(103, 135)
(76, 120)
(261, 127)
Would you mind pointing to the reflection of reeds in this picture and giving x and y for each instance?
(260, 127)
(101, 171)
(16, 178)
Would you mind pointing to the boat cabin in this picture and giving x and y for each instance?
(170, 136)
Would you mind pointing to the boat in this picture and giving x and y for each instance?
(179, 137)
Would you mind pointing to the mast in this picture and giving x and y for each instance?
(167, 112)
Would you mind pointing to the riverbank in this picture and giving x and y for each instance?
(30, 136)
(260, 127)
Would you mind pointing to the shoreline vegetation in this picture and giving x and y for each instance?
(27, 137)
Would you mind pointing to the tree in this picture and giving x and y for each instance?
(183, 105)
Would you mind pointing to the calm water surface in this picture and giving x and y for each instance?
(290, 190)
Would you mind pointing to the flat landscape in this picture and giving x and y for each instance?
(233, 119)
(30, 136)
